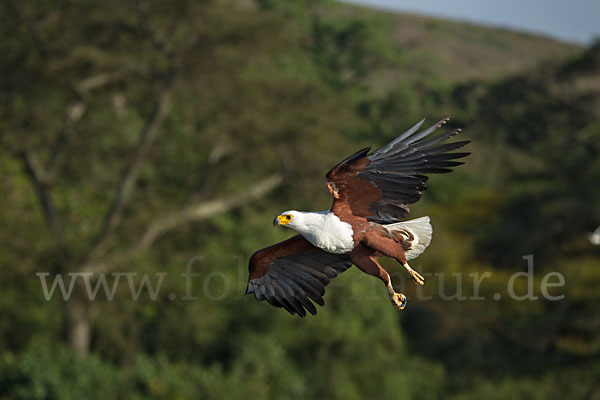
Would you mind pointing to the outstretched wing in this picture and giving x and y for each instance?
(290, 273)
(379, 186)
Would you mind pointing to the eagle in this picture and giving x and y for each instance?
(371, 196)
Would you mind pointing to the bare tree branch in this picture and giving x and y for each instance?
(96, 81)
(39, 178)
(205, 210)
(147, 136)
(130, 174)
(193, 213)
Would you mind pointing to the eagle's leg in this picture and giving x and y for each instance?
(389, 245)
(363, 258)
(414, 274)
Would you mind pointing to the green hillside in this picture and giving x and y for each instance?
(459, 51)
(153, 138)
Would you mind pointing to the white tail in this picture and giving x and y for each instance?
(422, 231)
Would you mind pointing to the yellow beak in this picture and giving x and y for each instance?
(281, 220)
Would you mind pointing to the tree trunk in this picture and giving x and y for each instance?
(78, 326)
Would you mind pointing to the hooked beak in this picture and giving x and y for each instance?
(281, 220)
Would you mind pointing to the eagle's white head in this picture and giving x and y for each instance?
(323, 229)
(301, 221)
(291, 219)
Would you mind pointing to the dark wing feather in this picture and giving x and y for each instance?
(292, 273)
(379, 186)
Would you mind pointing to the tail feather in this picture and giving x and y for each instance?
(421, 230)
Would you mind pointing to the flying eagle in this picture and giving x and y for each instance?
(371, 193)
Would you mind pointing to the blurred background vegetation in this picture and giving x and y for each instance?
(136, 136)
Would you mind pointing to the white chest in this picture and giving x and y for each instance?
(326, 231)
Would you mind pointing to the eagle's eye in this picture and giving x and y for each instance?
(288, 217)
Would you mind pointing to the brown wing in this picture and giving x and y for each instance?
(290, 273)
(379, 186)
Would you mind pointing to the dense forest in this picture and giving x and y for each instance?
(143, 141)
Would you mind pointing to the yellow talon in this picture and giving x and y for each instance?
(398, 300)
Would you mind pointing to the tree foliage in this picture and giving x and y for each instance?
(132, 134)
